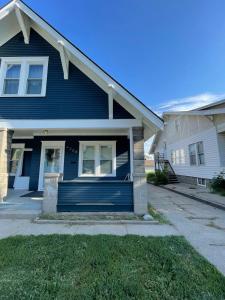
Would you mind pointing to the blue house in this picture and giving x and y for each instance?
(64, 120)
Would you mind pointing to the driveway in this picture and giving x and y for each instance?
(202, 225)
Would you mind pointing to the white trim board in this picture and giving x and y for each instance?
(75, 54)
(70, 124)
(54, 145)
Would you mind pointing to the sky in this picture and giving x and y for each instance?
(169, 53)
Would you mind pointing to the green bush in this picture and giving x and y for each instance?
(158, 178)
(218, 183)
(150, 177)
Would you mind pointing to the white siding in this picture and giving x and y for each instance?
(181, 130)
(212, 161)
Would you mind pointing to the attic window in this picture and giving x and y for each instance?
(23, 76)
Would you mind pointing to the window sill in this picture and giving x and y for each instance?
(96, 176)
(23, 96)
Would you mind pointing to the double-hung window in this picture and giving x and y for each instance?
(97, 158)
(23, 76)
(196, 154)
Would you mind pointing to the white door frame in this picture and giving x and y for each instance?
(52, 145)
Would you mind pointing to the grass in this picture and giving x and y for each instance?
(90, 217)
(105, 267)
(157, 215)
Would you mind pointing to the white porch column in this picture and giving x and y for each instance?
(50, 192)
(5, 152)
(139, 177)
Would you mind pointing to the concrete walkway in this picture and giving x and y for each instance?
(201, 193)
(202, 225)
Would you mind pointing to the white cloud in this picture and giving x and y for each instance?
(189, 103)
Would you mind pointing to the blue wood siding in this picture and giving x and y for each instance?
(76, 98)
(72, 156)
(95, 196)
(119, 112)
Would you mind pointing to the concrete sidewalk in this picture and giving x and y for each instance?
(12, 227)
(202, 225)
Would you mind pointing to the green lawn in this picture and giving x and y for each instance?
(105, 267)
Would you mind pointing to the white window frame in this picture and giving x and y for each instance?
(196, 154)
(97, 145)
(24, 72)
(50, 145)
(200, 184)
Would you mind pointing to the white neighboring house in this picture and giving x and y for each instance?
(194, 142)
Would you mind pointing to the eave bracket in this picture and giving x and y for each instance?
(64, 59)
(24, 24)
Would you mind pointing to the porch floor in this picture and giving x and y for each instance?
(15, 206)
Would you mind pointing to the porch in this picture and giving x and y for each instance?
(99, 170)
(21, 204)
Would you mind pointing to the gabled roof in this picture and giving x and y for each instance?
(16, 16)
(206, 110)
(210, 105)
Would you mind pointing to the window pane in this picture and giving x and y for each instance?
(13, 71)
(173, 157)
(52, 161)
(13, 166)
(106, 167)
(182, 156)
(35, 71)
(16, 153)
(34, 86)
(106, 153)
(11, 86)
(193, 160)
(88, 167)
(15, 158)
(177, 157)
(201, 159)
(192, 149)
(200, 147)
(89, 153)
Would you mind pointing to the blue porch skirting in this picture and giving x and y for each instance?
(95, 196)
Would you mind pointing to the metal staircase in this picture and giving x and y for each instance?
(162, 164)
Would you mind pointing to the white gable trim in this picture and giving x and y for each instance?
(207, 112)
